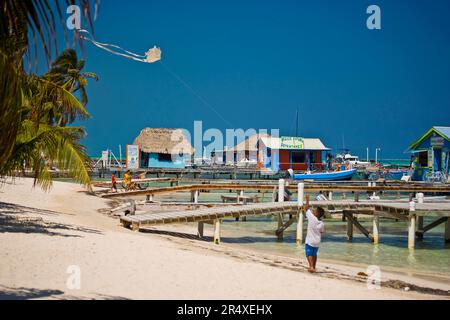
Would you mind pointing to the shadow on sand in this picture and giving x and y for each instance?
(16, 219)
(191, 236)
(7, 293)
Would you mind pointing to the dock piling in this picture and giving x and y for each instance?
(349, 225)
(281, 190)
(419, 227)
(201, 226)
(447, 230)
(280, 226)
(217, 231)
(300, 195)
(376, 228)
(411, 231)
(194, 196)
(299, 237)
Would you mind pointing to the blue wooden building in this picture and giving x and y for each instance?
(430, 155)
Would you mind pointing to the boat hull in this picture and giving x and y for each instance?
(327, 176)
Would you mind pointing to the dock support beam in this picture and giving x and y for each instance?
(349, 225)
(411, 232)
(300, 195)
(376, 228)
(201, 226)
(280, 226)
(299, 237)
(447, 230)
(419, 227)
(281, 190)
(194, 196)
(217, 231)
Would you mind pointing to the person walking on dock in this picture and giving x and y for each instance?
(113, 182)
(314, 235)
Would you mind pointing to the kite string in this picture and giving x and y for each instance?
(105, 46)
(185, 84)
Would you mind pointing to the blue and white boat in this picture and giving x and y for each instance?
(327, 176)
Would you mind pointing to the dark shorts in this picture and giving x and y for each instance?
(311, 251)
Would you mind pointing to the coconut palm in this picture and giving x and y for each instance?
(67, 71)
(33, 108)
(40, 143)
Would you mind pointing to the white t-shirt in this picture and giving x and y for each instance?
(315, 230)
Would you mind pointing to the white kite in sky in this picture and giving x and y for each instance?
(151, 56)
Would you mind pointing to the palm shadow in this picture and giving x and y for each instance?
(16, 219)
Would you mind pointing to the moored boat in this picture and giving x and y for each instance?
(327, 176)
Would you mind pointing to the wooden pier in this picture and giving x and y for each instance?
(405, 211)
(349, 208)
(309, 187)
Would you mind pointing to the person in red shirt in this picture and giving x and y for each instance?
(113, 182)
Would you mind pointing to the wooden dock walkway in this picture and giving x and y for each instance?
(309, 187)
(396, 210)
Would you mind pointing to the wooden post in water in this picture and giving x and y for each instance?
(201, 226)
(301, 192)
(412, 225)
(349, 226)
(281, 190)
(217, 231)
(280, 199)
(447, 230)
(376, 228)
(280, 225)
(194, 196)
(419, 223)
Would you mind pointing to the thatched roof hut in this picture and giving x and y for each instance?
(250, 144)
(166, 141)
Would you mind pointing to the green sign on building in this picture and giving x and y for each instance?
(291, 143)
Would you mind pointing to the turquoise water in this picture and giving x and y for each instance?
(431, 256)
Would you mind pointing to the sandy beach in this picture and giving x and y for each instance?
(44, 235)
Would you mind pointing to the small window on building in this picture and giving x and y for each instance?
(164, 157)
(423, 159)
(298, 157)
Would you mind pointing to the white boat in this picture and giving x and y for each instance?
(353, 160)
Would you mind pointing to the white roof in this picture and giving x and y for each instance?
(308, 143)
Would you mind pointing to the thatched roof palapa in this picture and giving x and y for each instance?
(250, 144)
(167, 141)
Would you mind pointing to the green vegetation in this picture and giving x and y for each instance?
(37, 112)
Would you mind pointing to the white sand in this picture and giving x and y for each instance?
(118, 263)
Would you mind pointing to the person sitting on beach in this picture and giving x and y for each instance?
(314, 235)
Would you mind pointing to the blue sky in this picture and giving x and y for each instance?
(256, 62)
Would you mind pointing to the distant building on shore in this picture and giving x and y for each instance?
(163, 148)
(300, 154)
(431, 154)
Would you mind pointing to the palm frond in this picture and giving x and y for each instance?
(10, 105)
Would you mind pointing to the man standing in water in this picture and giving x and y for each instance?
(314, 234)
